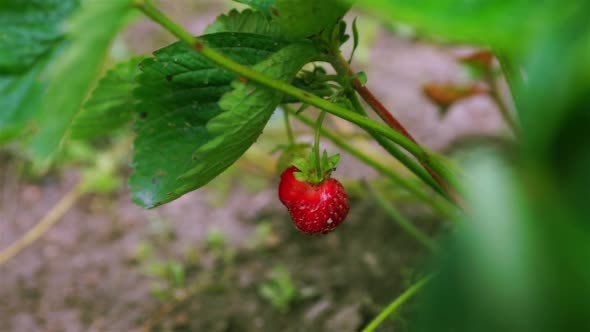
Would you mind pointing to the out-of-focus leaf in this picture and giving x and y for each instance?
(20, 97)
(246, 21)
(557, 88)
(102, 177)
(304, 18)
(556, 115)
(505, 24)
(74, 71)
(515, 265)
(30, 29)
(111, 105)
(446, 94)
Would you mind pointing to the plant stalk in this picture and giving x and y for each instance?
(343, 68)
(502, 107)
(288, 128)
(440, 205)
(397, 303)
(395, 152)
(51, 218)
(316, 145)
(513, 77)
(246, 72)
(402, 221)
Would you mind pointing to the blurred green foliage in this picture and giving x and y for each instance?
(73, 72)
(280, 289)
(111, 105)
(519, 261)
(51, 53)
(30, 30)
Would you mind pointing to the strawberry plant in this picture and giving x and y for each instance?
(197, 105)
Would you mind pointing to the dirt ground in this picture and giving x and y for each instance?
(97, 270)
(85, 275)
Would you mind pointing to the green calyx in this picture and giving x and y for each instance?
(308, 171)
(289, 153)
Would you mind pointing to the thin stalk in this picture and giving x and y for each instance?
(502, 107)
(246, 72)
(395, 152)
(402, 221)
(397, 303)
(342, 67)
(51, 218)
(288, 128)
(513, 77)
(169, 307)
(436, 202)
(316, 145)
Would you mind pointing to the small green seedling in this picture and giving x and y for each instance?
(279, 290)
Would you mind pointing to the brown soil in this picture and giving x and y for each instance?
(85, 275)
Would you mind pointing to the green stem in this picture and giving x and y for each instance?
(343, 68)
(502, 107)
(288, 128)
(316, 146)
(402, 221)
(396, 304)
(513, 77)
(218, 58)
(395, 152)
(436, 202)
(444, 186)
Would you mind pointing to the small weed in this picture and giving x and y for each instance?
(279, 290)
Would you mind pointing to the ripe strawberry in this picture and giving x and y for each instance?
(314, 208)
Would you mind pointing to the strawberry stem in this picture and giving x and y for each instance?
(316, 146)
(497, 97)
(343, 68)
(436, 202)
(401, 220)
(397, 303)
(288, 128)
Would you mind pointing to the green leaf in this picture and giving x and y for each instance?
(74, 71)
(247, 21)
(520, 255)
(247, 110)
(355, 39)
(177, 273)
(289, 154)
(262, 5)
(333, 161)
(111, 105)
(362, 77)
(102, 176)
(29, 30)
(20, 97)
(179, 93)
(302, 164)
(498, 23)
(305, 18)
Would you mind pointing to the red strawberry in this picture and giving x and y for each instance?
(314, 208)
